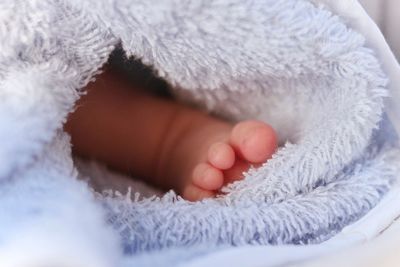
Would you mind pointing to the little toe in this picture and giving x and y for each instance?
(207, 177)
(195, 193)
(255, 141)
(221, 156)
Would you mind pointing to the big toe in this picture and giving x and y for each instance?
(254, 141)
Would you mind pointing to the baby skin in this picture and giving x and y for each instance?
(166, 143)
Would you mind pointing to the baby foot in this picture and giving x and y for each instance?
(248, 142)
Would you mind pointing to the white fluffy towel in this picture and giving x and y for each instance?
(292, 63)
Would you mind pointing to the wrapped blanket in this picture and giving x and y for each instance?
(292, 63)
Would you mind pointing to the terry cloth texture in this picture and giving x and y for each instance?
(291, 63)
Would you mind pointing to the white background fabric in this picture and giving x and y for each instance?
(386, 14)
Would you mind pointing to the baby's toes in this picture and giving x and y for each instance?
(207, 177)
(221, 156)
(254, 141)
